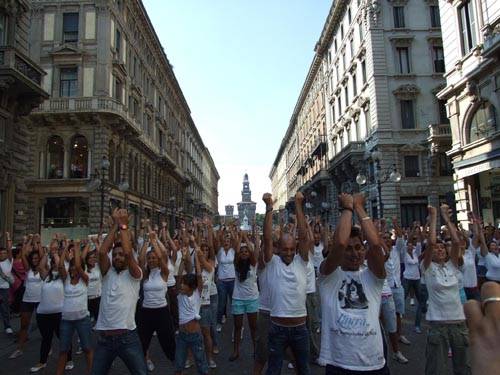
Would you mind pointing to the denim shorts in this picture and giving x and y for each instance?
(194, 342)
(245, 307)
(398, 294)
(207, 317)
(68, 328)
(388, 309)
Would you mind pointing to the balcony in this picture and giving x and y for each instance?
(439, 132)
(352, 148)
(319, 146)
(20, 75)
(491, 44)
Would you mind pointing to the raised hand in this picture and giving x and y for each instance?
(268, 199)
(445, 213)
(299, 197)
(359, 200)
(346, 201)
(153, 236)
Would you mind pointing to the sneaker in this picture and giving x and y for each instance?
(212, 364)
(215, 350)
(418, 330)
(399, 357)
(218, 328)
(9, 331)
(69, 365)
(150, 365)
(38, 367)
(412, 302)
(404, 340)
(223, 319)
(188, 364)
(17, 353)
(290, 365)
(79, 350)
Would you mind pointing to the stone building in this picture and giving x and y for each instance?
(471, 39)
(210, 200)
(246, 206)
(372, 84)
(117, 129)
(20, 91)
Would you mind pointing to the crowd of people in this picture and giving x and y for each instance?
(311, 294)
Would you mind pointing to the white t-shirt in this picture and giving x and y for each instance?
(443, 288)
(350, 330)
(393, 268)
(411, 271)
(469, 268)
(317, 256)
(246, 290)
(95, 282)
(178, 261)
(492, 263)
(155, 290)
(52, 297)
(289, 285)
(6, 266)
(75, 300)
(208, 279)
(264, 290)
(311, 278)
(120, 292)
(226, 264)
(33, 285)
(189, 307)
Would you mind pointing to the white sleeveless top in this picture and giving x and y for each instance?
(52, 297)
(75, 300)
(155, 289)
(208, 279)
(247, 290)
(189, 307)
(33, 285)
(95, 282)
(226, 264)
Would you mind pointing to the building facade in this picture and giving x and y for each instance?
(117, 130)
(20, 91)
(246, 207)
(378, 66)
(471, 38)
(210, 201)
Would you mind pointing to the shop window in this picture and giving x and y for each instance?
(483, 123)
(79, 157)
(55, 157)
(65, 212)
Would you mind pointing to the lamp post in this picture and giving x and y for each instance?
(102, 186)
(171, 202)
(390, 174)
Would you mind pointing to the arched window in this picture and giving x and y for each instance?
(79, 157)
(55, 157)
(483, 124)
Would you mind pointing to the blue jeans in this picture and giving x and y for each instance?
(68, 327)
(127, 346)
(224, 290)
(4, 308)
(297, 338)
(422, 306)
(213, 305)
(193, 341)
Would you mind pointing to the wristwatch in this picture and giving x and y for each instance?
(123, 226)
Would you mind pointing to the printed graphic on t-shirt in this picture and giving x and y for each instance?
(352, 296)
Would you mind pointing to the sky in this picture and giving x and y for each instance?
(241, 65)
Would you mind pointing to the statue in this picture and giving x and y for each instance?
(245, 226)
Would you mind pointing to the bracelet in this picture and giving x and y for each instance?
(366, 218)
(270, 209)
(346, 208)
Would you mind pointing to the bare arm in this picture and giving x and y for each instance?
(78, 263)
(8, 245)
(268, 228)
(431, 241)
(121, 217)
(62, 267)
(162, 256)
(304, 243)
(455, 240)
(106, 246)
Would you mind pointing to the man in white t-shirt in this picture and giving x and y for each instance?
(6, 279)
(286, 273)
(120, 292)
(351, 338)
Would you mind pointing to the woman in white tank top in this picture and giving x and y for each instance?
(174, 260)
(31, 255)
(75, 313)
(95, 283)
(246, 292)
(154, 315)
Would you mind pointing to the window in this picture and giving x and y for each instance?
(70, 27)
(79, 157)
(354, 86)
(349, 16)
(341, 32)
(3, 29)
(55, 157)
(161, 141)
(351, 48)
(340, 105)
(443, 118)
(363, 71)
(118, 42)
(407, 114)
(438, 56)
(68, 85)
(335, 44)
(399, 17)
(361, 32)
(403, 60)
(467, 26)
(444, 165)
(343, 62)
(412, 168)
(346, 95)
(483, 123)
(118, 90)
(333, 113)
(435, 17)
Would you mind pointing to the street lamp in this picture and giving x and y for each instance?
(99, 183)
(390, 174)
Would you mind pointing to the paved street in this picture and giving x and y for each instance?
(415, 353)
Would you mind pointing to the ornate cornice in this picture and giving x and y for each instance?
(408, 91)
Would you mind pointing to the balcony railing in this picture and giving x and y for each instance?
(351, 148)
(319, 145)
(439, 131)
(11, 58)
